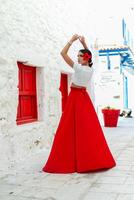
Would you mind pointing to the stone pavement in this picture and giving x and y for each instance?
(26, 181)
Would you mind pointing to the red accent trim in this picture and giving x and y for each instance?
(26, 121)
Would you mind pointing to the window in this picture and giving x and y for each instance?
(64, 89)
(27, 100)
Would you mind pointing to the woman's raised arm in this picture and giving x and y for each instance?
(64, 51)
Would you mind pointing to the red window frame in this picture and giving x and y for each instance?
(63, 89)
(27, 98)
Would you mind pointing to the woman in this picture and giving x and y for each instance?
(79, 144)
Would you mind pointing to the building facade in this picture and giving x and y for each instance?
(32, 70)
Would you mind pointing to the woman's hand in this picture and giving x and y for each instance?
(74, 38)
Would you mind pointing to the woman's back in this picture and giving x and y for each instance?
(82, 75)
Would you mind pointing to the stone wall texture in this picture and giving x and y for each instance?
(35, 31)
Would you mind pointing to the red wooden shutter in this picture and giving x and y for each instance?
(64, 89)
(27, 107)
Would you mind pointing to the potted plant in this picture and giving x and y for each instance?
(110, 116)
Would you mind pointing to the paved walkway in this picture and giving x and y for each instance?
(27, 182)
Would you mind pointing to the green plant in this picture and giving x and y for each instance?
(109, 108)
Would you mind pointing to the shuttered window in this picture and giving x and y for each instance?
(27, 99)
(64, 89)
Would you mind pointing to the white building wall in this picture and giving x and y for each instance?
(36, 31)
(131, 94)
(129, 73)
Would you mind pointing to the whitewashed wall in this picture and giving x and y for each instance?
(129, 73)
(35, 31)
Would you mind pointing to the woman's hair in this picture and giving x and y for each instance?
(89, 53)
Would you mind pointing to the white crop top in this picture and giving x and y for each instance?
(82, 74)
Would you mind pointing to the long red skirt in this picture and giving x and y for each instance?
(79, 144)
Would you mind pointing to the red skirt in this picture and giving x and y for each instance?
(79, 144)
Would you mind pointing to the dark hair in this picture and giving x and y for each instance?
(89, 53)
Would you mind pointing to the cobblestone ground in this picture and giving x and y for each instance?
(27, 182)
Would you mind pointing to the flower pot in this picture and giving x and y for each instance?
(110, 117)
